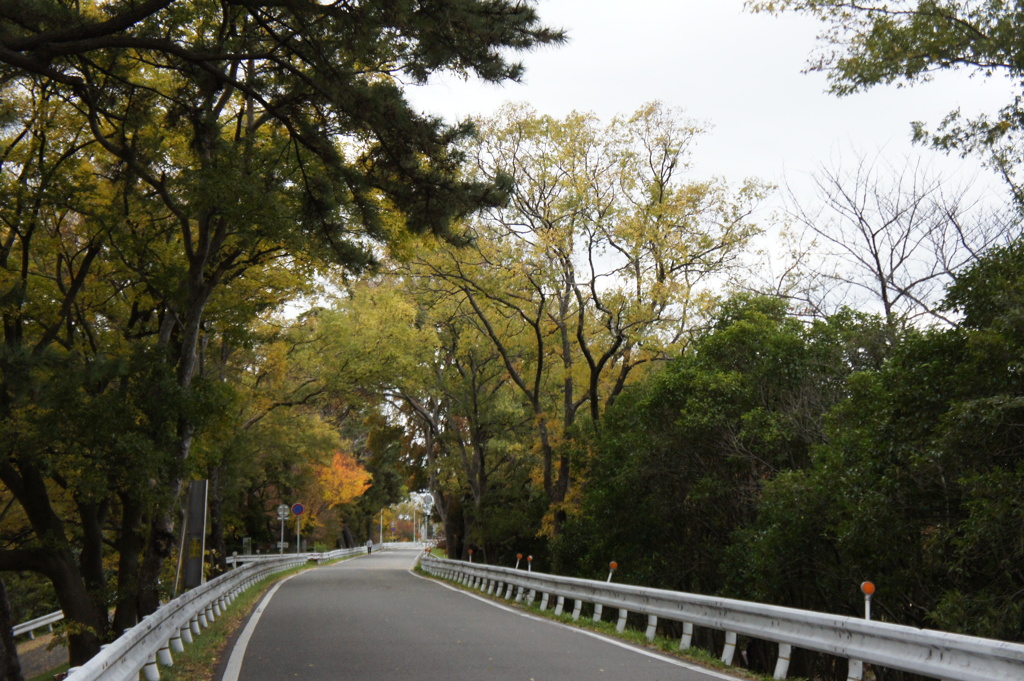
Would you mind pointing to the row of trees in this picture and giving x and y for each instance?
(170, 171)
(786, 462)
(535, 323)
(773, 457)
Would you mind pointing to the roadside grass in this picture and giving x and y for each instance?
(48, 676)
(199, 661)
(668, 646)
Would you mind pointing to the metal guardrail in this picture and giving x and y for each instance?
(164, 632)
(38, 623)
(952, 657)
(319, 557)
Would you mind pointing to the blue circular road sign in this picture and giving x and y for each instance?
(297, 509)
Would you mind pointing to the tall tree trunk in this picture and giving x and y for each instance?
(10, 668)
(130, 543)
(158, 549)
(90, 560)
(74, 599)
(56, 560)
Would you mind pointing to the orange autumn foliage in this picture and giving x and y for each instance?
(343, 480)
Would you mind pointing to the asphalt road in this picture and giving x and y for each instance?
(371, 619)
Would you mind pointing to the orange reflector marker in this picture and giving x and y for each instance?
(869, 589)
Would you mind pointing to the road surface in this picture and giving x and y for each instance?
(372, 619)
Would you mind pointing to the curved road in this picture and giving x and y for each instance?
(372, 619)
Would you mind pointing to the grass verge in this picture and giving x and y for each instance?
(668, 646)
(199, 661)
(48, 676)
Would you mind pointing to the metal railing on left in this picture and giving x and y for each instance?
(38, 623)
(158, 636)
(153, 641)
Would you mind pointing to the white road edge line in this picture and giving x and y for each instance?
(586, 632)
(234, 666)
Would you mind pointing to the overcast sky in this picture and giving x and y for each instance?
(737, 71)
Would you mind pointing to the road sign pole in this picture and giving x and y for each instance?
(297, 509)
(282, 515)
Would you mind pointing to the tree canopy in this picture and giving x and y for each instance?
(172, 170)
(909, 41)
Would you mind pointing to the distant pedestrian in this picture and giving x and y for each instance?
(369, 546)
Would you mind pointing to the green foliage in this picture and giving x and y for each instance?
(683, 457)
(917, 485)
(180, 171)
(30, 596)
(908, 41)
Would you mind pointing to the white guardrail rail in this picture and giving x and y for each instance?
(941, 655)
(38, 623)
(159, 635)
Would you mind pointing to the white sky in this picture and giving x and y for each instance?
(737, 71)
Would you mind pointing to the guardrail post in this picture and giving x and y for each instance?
(150, 670)
(163, 655)
(176, 644)
(559, 606)
(508, 591)
(620, 626)
(544, 602)
(577, 608)
(598, 610)
(729, 651)
(855, 671)
(782, 666)
(194, 625)
(652, 627)
(687, 639)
